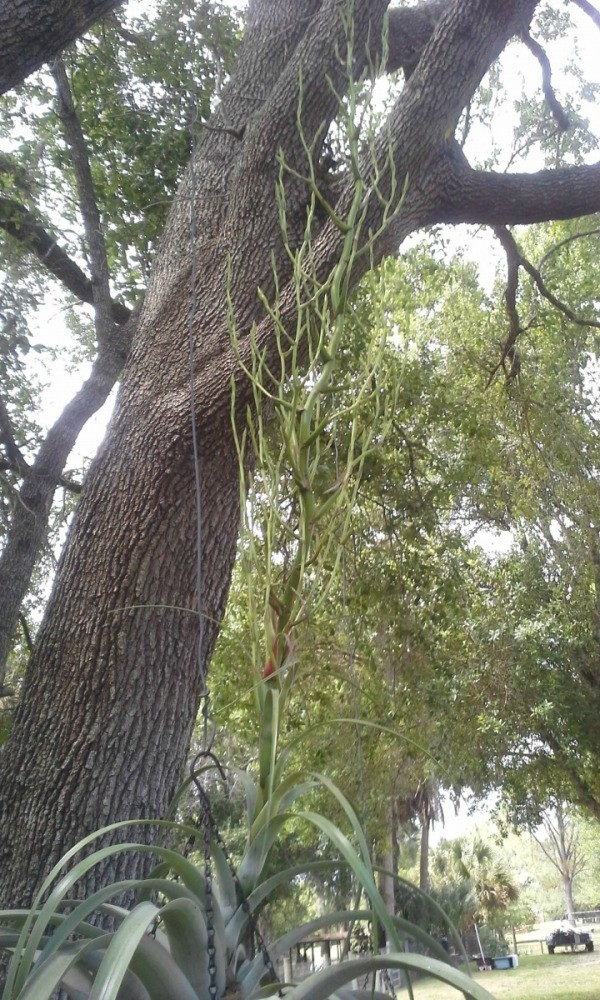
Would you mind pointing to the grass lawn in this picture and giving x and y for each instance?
(570, 976)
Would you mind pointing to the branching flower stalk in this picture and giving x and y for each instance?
(306, 481)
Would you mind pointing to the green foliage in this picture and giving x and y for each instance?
(137, 113)
(477, 878)
(481, 666)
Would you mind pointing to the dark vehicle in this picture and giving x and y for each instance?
(568, 938)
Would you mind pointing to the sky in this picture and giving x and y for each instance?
(466, 819)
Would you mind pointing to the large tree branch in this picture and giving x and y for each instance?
(470, 36)
(537, 50)
(22, 225)
(493, 199)
(92, 222)
(35, 31)
(309, 87)
(409, 30)
(588, 9)
(29, 527)
(466, 39)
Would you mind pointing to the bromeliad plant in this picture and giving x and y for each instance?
(185, 936)
(183, 940)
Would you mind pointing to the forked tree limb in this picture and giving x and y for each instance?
(21, 224)
(516, 260)
(90, 213)
(560, 115)
(29, 527)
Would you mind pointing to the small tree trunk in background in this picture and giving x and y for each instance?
(424, 854)
(386, 882)
(569, 903)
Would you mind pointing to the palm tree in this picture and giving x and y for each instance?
(474, 875)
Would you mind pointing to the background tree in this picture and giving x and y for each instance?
(475, 875)
(560, 844)
(118, 631)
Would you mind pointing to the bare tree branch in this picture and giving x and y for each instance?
(561, 306)
(7, 438)
(563, 243)
(516, 260)
(21, 224)
(26, 633)
(565, 853)
(67, 484)
(89, 207)
(560, 115)
(545, 291)
(588, 9)
(509, 349)
(29, 526)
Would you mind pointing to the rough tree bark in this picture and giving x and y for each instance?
(35, 31)
(112, 690)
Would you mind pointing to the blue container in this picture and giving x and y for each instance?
(505, 962)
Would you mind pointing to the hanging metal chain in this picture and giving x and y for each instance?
(207, 739)
(209, 910)
(387, 982)
(212, 833)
